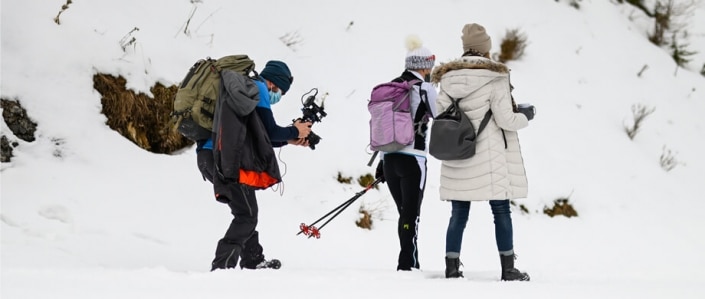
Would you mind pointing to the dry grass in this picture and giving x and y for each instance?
(6, 149)
(561, 207)
(639, 112)
(17, 119)
(140, 118)
(366, 180)
(365, 220)
(64, 7)
(512, 46)
(668, 159)
(343, 180)
(522, 207)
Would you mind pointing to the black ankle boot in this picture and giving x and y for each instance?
(509, 273)
(453, 268)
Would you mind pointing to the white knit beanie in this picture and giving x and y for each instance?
(418, 57)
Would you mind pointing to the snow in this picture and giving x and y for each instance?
(87, 214)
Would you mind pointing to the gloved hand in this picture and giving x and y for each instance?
(379, 173)
(528, 110)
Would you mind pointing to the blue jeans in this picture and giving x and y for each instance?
(503, 231)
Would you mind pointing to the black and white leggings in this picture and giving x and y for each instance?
(406, 178)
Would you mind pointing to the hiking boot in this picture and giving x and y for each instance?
(509, 273)
(453, 268)
(263, 264)
(269, 264)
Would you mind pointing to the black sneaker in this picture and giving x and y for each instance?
(269, 264)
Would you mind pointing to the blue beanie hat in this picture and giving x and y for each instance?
(278, 73)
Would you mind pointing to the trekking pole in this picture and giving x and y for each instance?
(312, 231)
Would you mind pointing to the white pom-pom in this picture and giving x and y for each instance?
(413, 42)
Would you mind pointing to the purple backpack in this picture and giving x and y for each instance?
(391, 122)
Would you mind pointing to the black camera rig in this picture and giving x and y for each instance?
(312, 113)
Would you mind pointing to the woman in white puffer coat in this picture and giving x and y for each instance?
(496, 172)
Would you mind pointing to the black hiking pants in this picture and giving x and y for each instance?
(406, 179)
(241, 240)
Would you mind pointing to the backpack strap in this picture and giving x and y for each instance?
(407, 77)
(424, 97)
(419, 120)
(485, 120)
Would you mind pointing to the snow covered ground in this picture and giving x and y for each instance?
(87, 214)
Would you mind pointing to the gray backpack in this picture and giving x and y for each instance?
(453, 135)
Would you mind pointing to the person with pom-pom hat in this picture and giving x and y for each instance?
(405, 170)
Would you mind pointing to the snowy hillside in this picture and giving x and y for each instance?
(87, 214)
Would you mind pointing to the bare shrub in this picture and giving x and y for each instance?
(512, 46)
(128, 39)
(369, 212)
(63, 8)
(663, 12)
(291, 40)
(185, 28)
(668, 159)
(679, 52)
(639, 112)
(671, 18)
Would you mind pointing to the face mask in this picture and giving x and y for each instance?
(274, 97)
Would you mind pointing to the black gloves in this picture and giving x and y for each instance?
(379, 173)
(528, 110)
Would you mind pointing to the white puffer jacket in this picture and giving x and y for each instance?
(496, 171)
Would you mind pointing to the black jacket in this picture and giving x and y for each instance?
(242, 150)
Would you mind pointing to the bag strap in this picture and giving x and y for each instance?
(485, 120)
(423, 95)
(455, 104)
(422, 92)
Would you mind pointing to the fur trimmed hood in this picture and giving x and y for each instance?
(469, 62)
